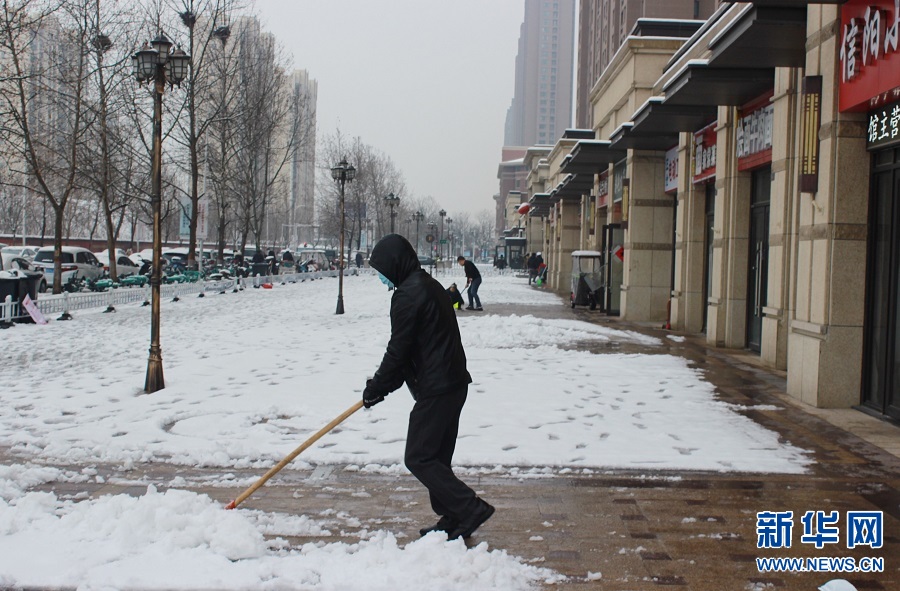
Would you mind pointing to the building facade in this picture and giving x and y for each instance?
(302, 200)
(750, 192)
(541, 107)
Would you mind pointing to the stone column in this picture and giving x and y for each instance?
(648, 240)
(567, 241)
(690, 241)
(785, 143)
(826, 332)
(727, 314)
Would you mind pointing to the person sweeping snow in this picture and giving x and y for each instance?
(425, 351)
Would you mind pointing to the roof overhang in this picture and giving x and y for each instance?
(764, 35)
(698, 83)
(659, 117)
(573, 187)
(624, 137)
(540, 204)
(591, 157)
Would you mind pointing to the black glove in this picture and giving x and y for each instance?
(371, 396)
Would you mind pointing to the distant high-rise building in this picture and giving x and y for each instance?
(303, 165)
(603, 26)
(541, 107)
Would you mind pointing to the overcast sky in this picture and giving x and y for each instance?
(427, 82)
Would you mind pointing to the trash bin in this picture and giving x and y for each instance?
(586, 266)
(18, 284)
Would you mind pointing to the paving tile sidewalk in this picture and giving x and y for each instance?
(616, 530)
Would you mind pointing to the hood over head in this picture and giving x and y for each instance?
(395, 258)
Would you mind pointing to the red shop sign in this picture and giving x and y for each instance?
(603, 189)
(704, 163)
(754, 131)
(870, 54)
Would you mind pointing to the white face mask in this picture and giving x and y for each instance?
(385, 280)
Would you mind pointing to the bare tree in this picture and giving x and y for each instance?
(266, 132)
(46, 45)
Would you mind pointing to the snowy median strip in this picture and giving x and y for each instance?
(249, 376)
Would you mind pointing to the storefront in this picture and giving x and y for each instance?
(704, 187)
(870, 82)
(754, 155)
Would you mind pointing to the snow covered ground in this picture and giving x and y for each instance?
(249, 376)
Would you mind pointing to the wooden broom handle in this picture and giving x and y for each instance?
(288, 458)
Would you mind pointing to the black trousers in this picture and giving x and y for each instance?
(430, 443)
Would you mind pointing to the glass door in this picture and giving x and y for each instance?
(709, 240)
(613, 251)
(881, 365)
(758, 265)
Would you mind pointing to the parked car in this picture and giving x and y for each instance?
(426, 261)
(124, 265)
(8, 253)
(23, 264)
(75, 261)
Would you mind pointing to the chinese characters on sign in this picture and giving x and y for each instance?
(883, 127)
(863, 528)
(754, 132)
(603, 189)
(705, 154)
(869, 57)
(671, 179)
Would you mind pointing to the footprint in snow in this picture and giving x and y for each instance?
(509, 447)
(686, 451)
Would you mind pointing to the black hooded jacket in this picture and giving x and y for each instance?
(425, 349)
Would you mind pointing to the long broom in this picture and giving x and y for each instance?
(288, 458)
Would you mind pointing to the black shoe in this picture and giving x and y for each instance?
(445, 524)
(479, 309)
(469, 308)
(468, 525)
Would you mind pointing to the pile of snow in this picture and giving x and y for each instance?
(184, 540)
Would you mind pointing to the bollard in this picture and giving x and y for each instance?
(109, 304)
(65, 314)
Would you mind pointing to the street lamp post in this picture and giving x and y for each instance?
(449, 241)
(155, 65)
(441, 213)
(431, 228)
(342, 173)
(418, 217)
(392, 200)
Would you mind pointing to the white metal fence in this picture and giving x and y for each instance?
(64, 303)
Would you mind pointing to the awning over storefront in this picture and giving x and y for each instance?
(764, 35)
(698, 83)
(573, 187)
(590, 157)
(659, 117)
(540, 205)
(625, 137)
